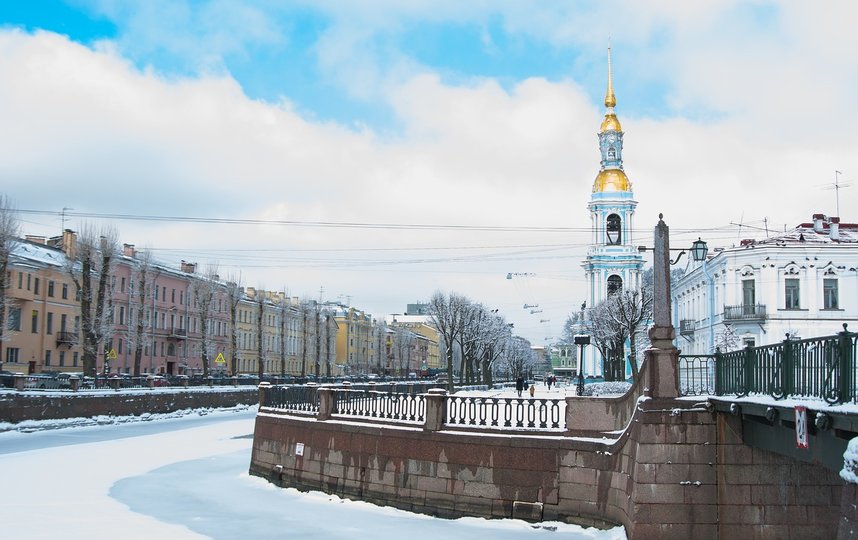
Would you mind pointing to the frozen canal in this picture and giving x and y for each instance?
(186, 477)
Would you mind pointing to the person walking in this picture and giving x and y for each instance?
(519, 385)
(532, 390)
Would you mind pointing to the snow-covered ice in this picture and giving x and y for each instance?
(185, 476)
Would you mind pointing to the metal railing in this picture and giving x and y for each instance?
(687, 326)
(743, 312)
(821, 368)
(374, 404)
(505, 412)
(292, 398)
(697, 374)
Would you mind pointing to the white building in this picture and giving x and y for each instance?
(803, 283)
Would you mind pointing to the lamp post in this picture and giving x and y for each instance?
(581, 340)
(699, 251)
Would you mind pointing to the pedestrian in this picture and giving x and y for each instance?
(532, 389)
(519, 385)
(548, 381)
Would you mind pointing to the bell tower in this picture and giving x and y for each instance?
(613, 262)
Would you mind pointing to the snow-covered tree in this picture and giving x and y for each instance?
(447, 315)
(143, 275)
(90, 265)
(8, 240)
(203, 291)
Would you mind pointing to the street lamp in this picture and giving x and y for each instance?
(699, 250)
(581, 340)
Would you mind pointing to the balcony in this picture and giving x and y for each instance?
(686, 327)
(67, 338)
(177, 333)
(745, 312)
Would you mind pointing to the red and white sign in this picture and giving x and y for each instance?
(801, 436)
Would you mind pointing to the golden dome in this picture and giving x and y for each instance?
(611, 180)
(610, 123)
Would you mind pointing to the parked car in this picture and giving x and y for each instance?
(7, 379)
(41, 381)
(159, 380)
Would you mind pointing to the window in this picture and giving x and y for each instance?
(613, 229)
(173, 296)
(748, 342)
(12, 354)
(748, 293)
(20, 280)
(48, 358)
(63, 322)
(29, 282)
(49, 323)
(36, 287)
(74, 359)
(791, 290)
(62, 358)
(829, 294)
(50, 289)
(122, 285)
(615, 284)
(34, 322)
(121, 315)
(65, 291)
(14, 322)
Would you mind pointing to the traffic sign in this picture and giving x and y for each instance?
(801, 438)
(220, 359)
(112, 354)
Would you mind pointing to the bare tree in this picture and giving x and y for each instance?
(259, 301)
(447, 314)
(380, 328)
(143, 275)
(727, 339)
(495, 339)
(90, 265)
(518, 358)
(283, 312)
(234, 294)
(403, 344)
(203, 290)
(8, 241)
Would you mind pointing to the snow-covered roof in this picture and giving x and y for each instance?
(819, 232)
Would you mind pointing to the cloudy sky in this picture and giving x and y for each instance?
(375, 152)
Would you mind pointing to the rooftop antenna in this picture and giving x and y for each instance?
(63, 214)
(837, 186)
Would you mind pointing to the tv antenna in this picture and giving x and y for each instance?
(837, 186)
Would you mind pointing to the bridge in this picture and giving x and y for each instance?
(743, 445)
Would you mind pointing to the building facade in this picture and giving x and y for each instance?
(803, 282)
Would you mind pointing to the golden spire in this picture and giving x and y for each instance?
(610, 100)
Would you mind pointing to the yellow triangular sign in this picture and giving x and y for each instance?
(112, 354)
(220, 359)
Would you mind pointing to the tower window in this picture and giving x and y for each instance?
(615, 284)
(613, 229)
(612, 153)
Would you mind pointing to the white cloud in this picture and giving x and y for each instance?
(88, 130)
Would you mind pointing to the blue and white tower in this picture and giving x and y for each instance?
(613, 262)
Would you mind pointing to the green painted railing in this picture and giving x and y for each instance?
(821, 368)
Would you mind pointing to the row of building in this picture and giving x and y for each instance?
(294, 337)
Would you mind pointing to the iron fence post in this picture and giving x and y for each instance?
(847, 366)
(748, 369)
(788, 368)
(720, 372)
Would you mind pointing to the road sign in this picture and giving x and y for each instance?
(112, 354)
(220, 359)
(801, 436)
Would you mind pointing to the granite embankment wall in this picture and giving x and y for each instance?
(678, 470)
(19, 406)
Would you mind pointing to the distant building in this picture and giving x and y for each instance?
(803, 282)
(417, 309)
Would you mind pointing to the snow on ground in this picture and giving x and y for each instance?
(184, 475)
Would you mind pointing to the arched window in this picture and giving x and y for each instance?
(615, 284)
(612, 153)
(171, 349)
(613, 228)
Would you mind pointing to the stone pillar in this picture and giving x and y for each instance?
(326, 403)
(184, 381)
(150, 382)
(211, 381)
(114, 383)
(662, 356)
(235, 380)
(19, 382)
(74, 383)
(263, 387)
(436, 409)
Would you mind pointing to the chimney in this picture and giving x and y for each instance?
(129, 251)
(69, 243)
(188, 268)
(818, 223)
(36, 239)
(834, 229)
